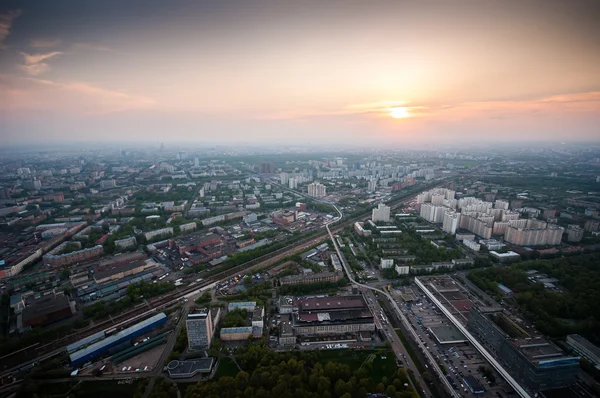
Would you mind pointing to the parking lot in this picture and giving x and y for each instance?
(451, 349)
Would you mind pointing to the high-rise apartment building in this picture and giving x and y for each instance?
(432, 213)
(574, 233)
(372, 185)
(381, 213)
(284, 178)
(501, 204)
(451, 222)
(293, 183)
(317, 190)
(199, 329)
(266, 167)
(472, 223)
(534, 233)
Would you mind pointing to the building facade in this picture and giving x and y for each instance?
(200, 329)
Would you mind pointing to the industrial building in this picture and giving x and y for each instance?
(332, 315)
(46, 309)
(311, 278)
(103, 346)
(534, 361)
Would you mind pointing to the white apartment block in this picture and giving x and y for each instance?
(317, 190)
(293, 183)
(451, 222)
(402, 269)
(471, 244)
(381, 213)
(284, 178)
(431, 213)
(386, 263)
(159, 232)
(501, 204)
(437, 199)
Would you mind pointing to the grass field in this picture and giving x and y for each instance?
(226, 368)
(355, 359)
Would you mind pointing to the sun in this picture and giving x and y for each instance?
(399, 113)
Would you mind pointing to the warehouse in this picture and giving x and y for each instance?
(94, 350)
(47, 309)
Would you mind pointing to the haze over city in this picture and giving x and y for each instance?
(313, 71)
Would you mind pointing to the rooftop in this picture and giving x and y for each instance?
(331, 303)
(186, 369)
(242, 329)
(44, 306)
(116, 337)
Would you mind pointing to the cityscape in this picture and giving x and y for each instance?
(271, 199)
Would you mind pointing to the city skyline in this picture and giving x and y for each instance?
(282, 73)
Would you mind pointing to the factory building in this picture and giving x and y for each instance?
(336, 315)
(101, 347)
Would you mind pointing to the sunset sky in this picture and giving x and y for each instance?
(299, 71)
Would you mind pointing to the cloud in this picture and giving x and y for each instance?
(34, 64)
(588, 102)
(45, 43)
(72, 97)
(6, 21)
(93, 47)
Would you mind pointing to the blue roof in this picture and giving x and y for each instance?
(116, 337)
(243, 329)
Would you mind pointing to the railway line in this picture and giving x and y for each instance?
(29, 355)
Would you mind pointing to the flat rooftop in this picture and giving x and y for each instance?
(184, 369)
(330, 303)
(446, 334)
(538, 349)
(44, 306)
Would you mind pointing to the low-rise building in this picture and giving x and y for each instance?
(286, 331)
(236, 334)
(126, 243)
(242, 305)
(311, 278)
(46, 309)
(332, 316)
(402, 269)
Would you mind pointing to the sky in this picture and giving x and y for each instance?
(299, 72)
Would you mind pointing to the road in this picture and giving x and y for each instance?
(432, 364)
(397, 345)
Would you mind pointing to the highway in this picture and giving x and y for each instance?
(432, 363)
